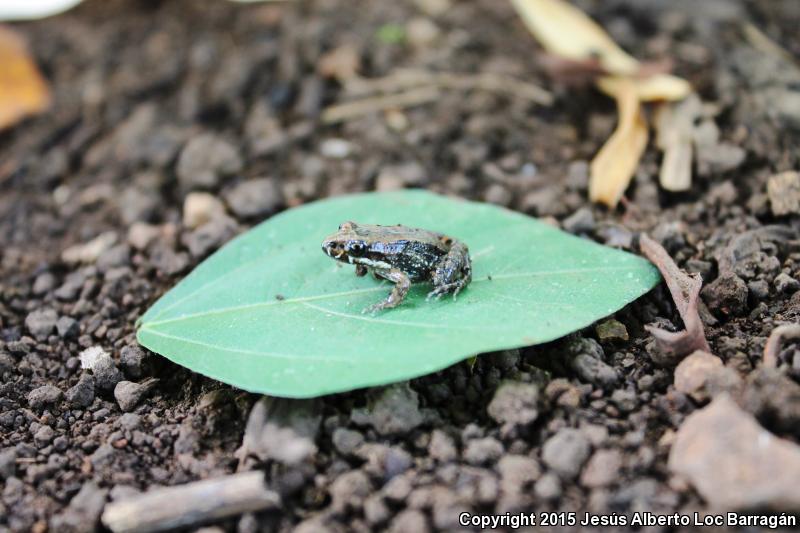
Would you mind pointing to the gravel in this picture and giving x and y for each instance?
(515, 404)
(395, 410)
(733, 462)
(44, 395)
(566, 451)
(205, 159)
(128, 394)
(255, 198)
(41, 322)
(82, 393)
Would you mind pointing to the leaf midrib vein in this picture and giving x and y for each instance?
(301, 300)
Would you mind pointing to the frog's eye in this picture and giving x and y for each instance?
(356, 249)
(346, 226)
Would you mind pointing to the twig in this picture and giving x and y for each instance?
(761, 42)
(775, 342)
(486, 81)
(190, 504)
(341, 112)
(685, 291)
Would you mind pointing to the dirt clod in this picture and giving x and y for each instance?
(566, 451)
(733, 462)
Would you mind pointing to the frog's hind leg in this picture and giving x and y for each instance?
(453, 273)
(401, 285)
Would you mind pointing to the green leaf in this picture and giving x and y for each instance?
(270, 313)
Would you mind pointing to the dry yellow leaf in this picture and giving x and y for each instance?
(568, 32)
(651, 88)
(23, 90)
(614, 165)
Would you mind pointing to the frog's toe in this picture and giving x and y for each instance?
(374, 308)
(436, 293)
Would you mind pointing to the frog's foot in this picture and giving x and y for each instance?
(398, 294)
(374, 308)
(441, 290)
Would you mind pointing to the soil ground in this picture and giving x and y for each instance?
(136, 83)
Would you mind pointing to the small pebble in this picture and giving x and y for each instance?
(786, 284)
(131, 359)
(602, 469)
(394, 411)
(82, 393)
(566, 451)
(548, 487)
(199, 208)
(106, 373)
(611, 330)
(515, 403)
(346, 440)
(209, 236)
(727, 294)
(580, 222)
(43, 436)
(784, 193)
(128, 394)
(46, 394)
(482, 451)
(41, 322)
(67, 327)
(336, 148)
(204, 160)
(254, 198)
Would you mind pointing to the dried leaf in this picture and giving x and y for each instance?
(613, 166)
(685, 291)
(772, 349)
(568, 32)
(653, 88)
(571, 72)
(23, 90)
(675, 127)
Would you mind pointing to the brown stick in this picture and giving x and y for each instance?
(685, 291)
(190, 504)
(341, 112)
(403, 79)
(775, 342)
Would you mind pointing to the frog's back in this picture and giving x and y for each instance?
(414, 251)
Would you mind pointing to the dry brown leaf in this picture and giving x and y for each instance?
(568, 32)
(685, 291)
(675, 126)
(772, 349)
(614, 165)
(23, 90)
(653, 88)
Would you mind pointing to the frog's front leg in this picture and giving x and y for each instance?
(453, 273)
(361, 270)
(401, 285)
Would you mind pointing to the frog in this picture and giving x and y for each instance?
(402, 255)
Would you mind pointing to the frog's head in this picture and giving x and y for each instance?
(347, 244)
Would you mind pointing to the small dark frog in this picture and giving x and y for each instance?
(402, 255)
